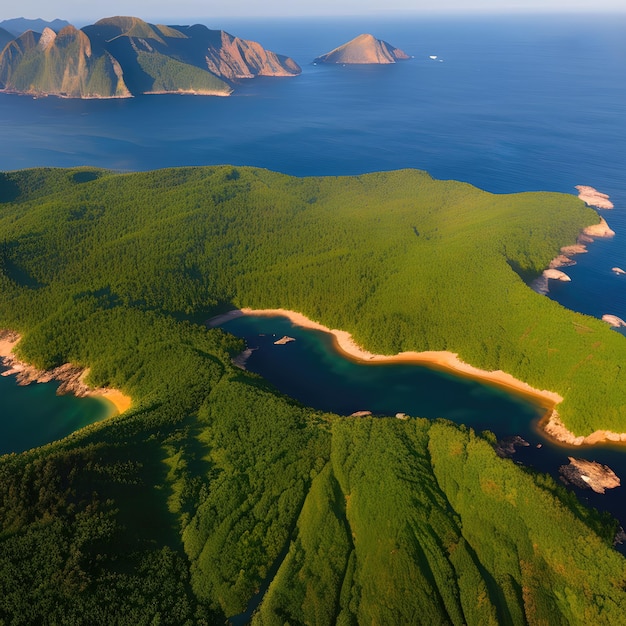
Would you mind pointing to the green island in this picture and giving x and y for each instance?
(212, 486)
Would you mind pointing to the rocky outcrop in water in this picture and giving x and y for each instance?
(613, 320)
(283, 340)
(589, 475)
(593, 197)
(505, 448)
(602, 230)
(555, 274)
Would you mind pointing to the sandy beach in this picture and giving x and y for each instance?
(438, 359)
(72, 378)
(550, 426)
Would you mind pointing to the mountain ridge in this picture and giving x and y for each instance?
(18, 25)
(124, 56)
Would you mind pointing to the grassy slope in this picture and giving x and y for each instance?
(177, 510)
(172, 75)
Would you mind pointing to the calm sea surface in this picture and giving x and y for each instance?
(34, 415)
(510, 104)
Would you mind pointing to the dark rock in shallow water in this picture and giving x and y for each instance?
(620, 537)
(506, 447)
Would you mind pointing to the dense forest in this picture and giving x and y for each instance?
(212, 486)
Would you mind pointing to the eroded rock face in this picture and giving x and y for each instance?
(364, 49)
(124, 56)
(589, 475)
(234, 58)
(60, 64)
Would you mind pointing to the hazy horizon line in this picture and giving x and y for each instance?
(477, 13)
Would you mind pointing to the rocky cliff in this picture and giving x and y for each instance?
(236, 58)
(125, 56)
(60, 64)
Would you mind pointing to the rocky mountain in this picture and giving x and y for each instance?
(125, 56)
(60, 64)
(19, 25)
(364, 49)
(235, 58)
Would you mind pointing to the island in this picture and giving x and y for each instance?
(120, 57)
(213, 497)
(364, 49)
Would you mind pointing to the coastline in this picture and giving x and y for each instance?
(439, 359)
(550, 426)
(601, 230)
(592, 197)
(70, 377)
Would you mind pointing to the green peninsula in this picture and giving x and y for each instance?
(212, 486)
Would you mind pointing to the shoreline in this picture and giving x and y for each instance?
(549, 426)
(439, 359)
(592, 197)
(552, 425)
(601, 230)
(70, 377)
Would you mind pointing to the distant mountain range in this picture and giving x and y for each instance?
(19, 25)
(5, 37)
(364, 49)
(119, 57)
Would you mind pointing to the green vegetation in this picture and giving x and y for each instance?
(125, 56)
(399, 528)
(212, 484)
(64, 67)
(171, 75)
(401, 261)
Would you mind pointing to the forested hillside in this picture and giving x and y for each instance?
(212, 484)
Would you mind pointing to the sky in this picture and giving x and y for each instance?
(153, 10)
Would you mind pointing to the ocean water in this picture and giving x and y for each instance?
(510, 104)
(34, 415)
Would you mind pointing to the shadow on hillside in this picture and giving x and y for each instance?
(9, 190)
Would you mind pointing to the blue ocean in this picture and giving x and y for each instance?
(507, 104)
(510, 104)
